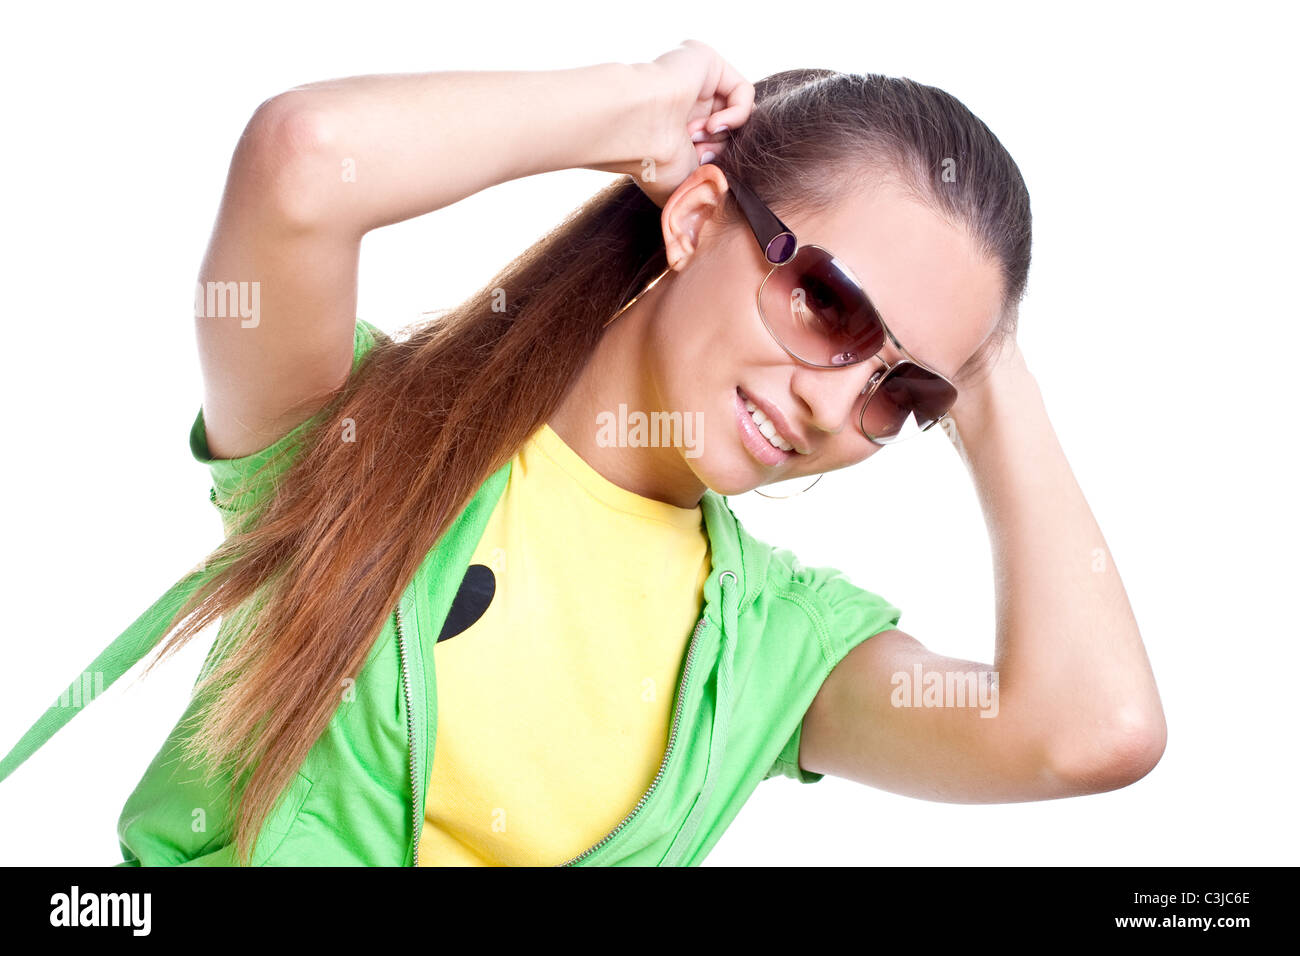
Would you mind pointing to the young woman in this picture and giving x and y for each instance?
(786, 278)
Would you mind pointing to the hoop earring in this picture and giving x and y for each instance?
(637, 296)
(795, 495)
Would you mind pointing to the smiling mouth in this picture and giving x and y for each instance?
(766, 426)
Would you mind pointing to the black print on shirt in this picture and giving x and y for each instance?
(471, 601)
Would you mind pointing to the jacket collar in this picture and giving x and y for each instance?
(734, 549)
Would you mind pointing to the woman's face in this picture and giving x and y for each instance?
(708, 349)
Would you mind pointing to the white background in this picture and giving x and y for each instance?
(1159, 146)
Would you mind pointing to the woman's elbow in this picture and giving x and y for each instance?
(1115, 758)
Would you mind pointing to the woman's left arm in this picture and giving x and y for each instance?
(1068, 650)
(1075, 702)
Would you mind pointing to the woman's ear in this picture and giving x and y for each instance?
(688, 211)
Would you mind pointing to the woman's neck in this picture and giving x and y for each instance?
(617, 376)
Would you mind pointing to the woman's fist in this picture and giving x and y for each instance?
(699, 96)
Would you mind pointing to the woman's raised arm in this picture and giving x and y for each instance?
(320, 165)
(1072, 692)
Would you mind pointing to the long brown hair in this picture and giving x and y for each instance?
(312, 574)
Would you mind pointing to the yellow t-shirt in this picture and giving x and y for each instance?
(558, 664)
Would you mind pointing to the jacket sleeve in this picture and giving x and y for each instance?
(849, 615)
(240, 483)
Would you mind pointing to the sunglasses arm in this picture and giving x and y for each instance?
(775, 239)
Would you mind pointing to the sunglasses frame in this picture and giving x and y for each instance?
(779, 246)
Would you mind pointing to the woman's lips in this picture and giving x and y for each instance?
(754, 441)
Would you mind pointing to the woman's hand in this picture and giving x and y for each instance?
(1004, 391)
(1006, 369)
(699, 96)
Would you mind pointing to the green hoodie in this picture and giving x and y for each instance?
(770, 632)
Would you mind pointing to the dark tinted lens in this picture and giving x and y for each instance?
(908, 401)
(816, 310)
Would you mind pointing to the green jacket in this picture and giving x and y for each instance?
(769, 633)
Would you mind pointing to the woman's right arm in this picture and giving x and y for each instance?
(320, 165)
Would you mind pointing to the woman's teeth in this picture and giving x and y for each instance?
(767, 428)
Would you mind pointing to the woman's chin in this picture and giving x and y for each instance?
(729, 478)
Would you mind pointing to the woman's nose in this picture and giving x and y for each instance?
(830, 396)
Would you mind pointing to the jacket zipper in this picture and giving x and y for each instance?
(672, 739)
(416, 824)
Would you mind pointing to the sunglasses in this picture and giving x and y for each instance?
(818, 312)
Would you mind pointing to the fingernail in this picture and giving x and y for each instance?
(708, 155)
(697, 136)
(719, 129)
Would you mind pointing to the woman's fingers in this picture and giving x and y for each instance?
(738, 93)
(710, 145)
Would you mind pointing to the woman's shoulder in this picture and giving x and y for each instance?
(829, 596)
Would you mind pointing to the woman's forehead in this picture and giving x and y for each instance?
(925, 275)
